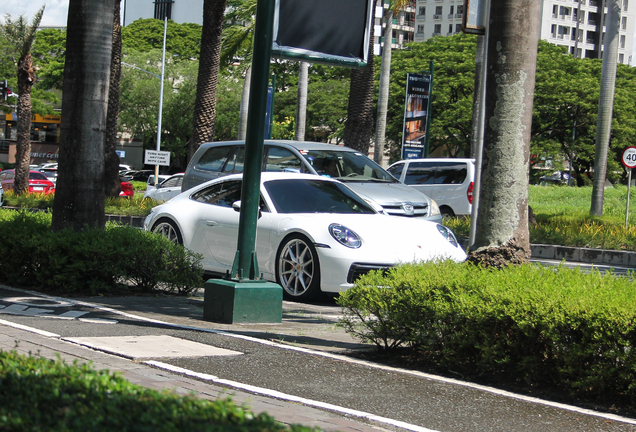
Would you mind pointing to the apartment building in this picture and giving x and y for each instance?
(576, 24)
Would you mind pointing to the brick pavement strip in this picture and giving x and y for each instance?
(28, 343)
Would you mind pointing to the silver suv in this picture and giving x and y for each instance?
(360, 173)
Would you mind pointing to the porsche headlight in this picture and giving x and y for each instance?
(448, 234)
(434, 208)
(345, 236)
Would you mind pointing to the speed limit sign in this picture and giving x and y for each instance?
(629, 157)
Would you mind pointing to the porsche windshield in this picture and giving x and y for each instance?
(314, 196)
(347, 166)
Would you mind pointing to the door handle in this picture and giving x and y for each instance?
(211, 223)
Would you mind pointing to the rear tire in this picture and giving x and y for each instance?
(298, 268)
(168, 229)
(446, 212)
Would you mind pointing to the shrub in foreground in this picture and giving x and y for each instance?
(557, 326)
(38, 394)
(92, 262)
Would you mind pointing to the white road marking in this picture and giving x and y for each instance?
(288, 397)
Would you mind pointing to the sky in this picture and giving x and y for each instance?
(56, 11)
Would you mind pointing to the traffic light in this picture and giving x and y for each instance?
(3, 90)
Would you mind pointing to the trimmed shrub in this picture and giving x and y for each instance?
(38, 394)
(115, 260)
(558, 326)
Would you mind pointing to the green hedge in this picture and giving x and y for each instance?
(37, 394)
(115, 260)
(557, 326)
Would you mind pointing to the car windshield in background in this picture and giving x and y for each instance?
(347, 166)
(314, 196)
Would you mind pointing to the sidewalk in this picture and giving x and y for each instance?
(303, 325)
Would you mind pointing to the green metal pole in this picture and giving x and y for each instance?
(245, 264)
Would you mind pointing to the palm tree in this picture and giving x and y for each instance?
(208, 78)
(79, 197)
(385, 77)
(112, 182)
(21, 36)
(359, 123)
(605, 106)
(301, 107)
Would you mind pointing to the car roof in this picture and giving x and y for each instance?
(435, 159)
(298, 145)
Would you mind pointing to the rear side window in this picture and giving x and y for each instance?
(214, 159)
(450, 173)
(221, 194)
(420, 173)
(236, 161)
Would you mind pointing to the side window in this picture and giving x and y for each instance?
(396, 170)
(420, 173)
(279, 159)
(214, 159)
(221, 194)
(451, 173)
(172, 182)
(3, 176)
(236, 161)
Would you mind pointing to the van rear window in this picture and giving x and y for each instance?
(214, 159)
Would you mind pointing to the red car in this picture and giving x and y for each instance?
(38, 183)
(126, 189)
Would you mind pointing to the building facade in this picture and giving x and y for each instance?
(578, 25)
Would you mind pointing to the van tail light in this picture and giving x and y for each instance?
(469, 193)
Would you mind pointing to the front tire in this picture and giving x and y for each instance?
(169, 230)
(298, 268)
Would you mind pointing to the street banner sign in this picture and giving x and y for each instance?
(335, 32)
(416, 116)
(153, 157)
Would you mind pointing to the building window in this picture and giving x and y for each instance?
(460, 9)
(625, 4)
(438, 29)
(438, 10)
(452, 9)
(621, 58)
(163, 9)
(420, 28)
(622, 42)
(624, 23)
(422, 10)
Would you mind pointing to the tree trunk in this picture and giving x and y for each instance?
(502, 235)
(112, 181)
(26, 79)
(479, 60)
(245, 103)
(79, 198)
(359, 123)
(301, 106)
(383, 95)
(208, 77)
(605, 106)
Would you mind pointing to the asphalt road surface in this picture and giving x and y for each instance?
(290, 361)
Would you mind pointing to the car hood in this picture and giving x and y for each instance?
(388, 193)
(400, 238)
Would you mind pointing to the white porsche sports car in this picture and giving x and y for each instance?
(314, 234)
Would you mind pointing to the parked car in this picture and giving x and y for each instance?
(150, 183)
(50, 173)
(449, 181)
(124, 167)
(127, 189)
(167, 189)
(347, 165)
(142, 175)
(314, 233)
(37, 181)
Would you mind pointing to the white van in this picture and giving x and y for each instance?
(449, 181)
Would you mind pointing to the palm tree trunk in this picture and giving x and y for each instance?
(502, 224)
(383, 95)
(112, 182)
(26, 78)
(301, 106)
(605, 106)
(208, 77)
(359, 123)
(79, 198)
(245, 102)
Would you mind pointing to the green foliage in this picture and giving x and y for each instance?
(183, 41)
(38, 394)
(49, 54)
(552, 326)
(93, 262)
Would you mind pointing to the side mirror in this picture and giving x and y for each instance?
(236, 205)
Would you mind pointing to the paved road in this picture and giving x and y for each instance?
(300, 361)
